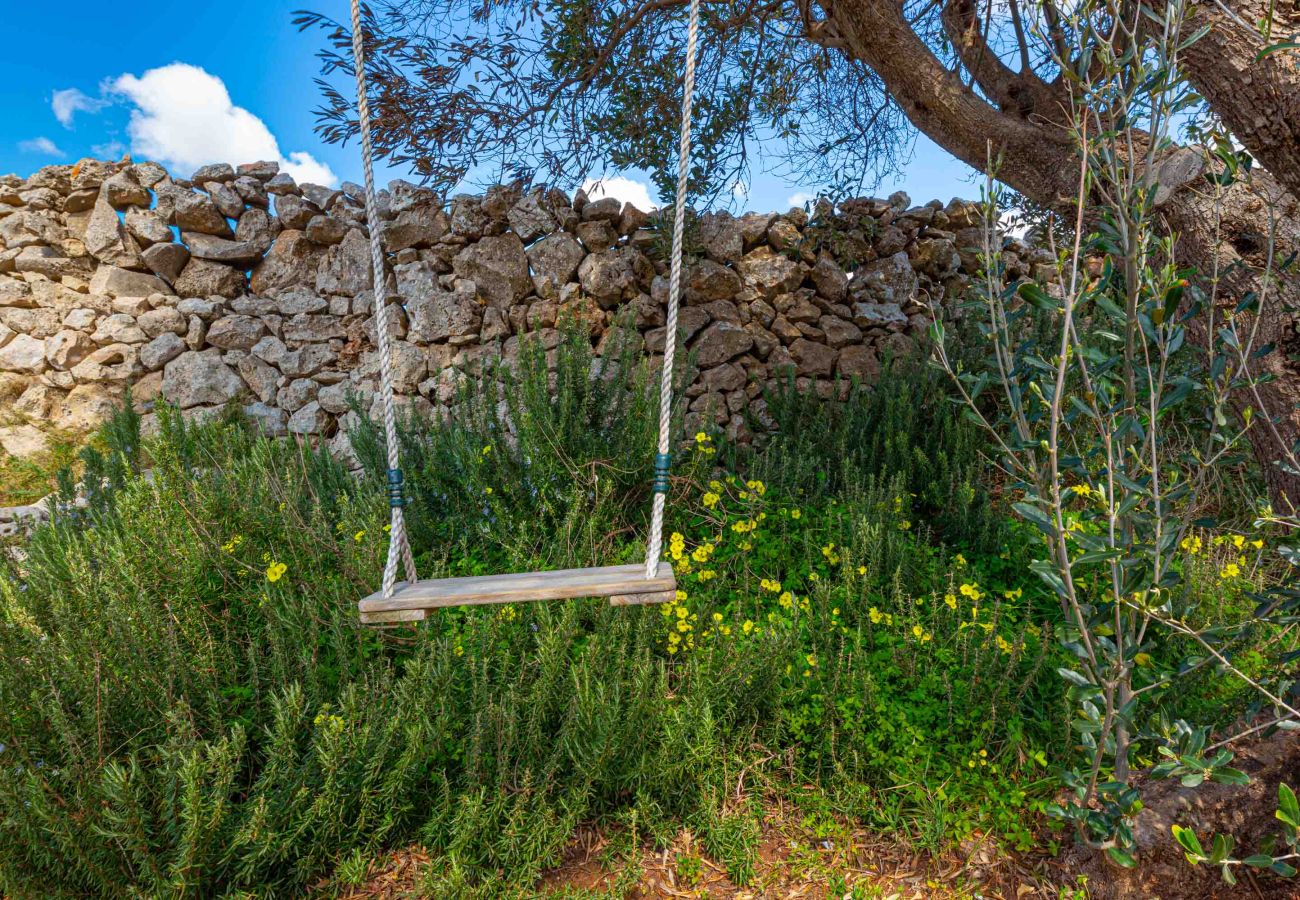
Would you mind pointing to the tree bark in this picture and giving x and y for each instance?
(1035, 154)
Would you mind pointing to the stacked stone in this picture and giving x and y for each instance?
(239, 284)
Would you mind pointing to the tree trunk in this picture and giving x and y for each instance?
(1035, 154)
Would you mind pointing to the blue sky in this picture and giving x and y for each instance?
(207, 82)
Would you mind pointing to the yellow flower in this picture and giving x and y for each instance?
(1231, 570)
(707, 574)
(1257, 544)
(359, 535)
(711, 499)
(950, 600)
(275, 570)
(811, 659)
(717, 617)
(487, 449)
(487, 490)
(796, 514)
(1142, 659)
(862, 570)
(1013, 595)
(230, 545)
(701, 437)
(1238, 541)
(959, 559)
(921, 634)
(747, 627)
(875, 615)
(757, 487)
(970, 590)
(1003, 644)
(1191, 544)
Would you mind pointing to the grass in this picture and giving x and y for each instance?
(24, 481)
(193, 707)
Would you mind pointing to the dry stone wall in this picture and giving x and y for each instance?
(238, 284)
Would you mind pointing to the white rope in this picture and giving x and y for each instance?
(398, 545)
(655, 545)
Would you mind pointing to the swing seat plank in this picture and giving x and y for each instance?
(623, 585)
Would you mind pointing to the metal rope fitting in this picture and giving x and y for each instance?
(663, 465)
(395, 495)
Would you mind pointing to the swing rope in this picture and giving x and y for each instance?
(663, 457)
(399, 545)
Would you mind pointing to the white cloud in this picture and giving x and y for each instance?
(67, 103)
(800, 198)
(108, 150)
(40, 145)
(184, 117)
(627, 190)
(740, 190)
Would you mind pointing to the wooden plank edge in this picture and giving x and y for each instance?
(643, 599)
(393, 617)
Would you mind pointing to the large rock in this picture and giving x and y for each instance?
(722, 237)
(556, 256)
(879, 315)
(888, 280)
(530, 219)
(720, 343)
(51, 263)
(935, 257)
(437, 316)
(118, 328)
(707, 281)
(236, 332)
(23, 354)
(811, 358)
(23, 441)
(347, 269)
(164, 318)
(161, 350)
(117, 282)
(498, 266)
(167, 261)
(124, 190)
(769, 272)
(235, 253)
(200, 379)
(829, 279)
(108, 239)
(116, 362)
(86, 406)
(67, 348)
(197, 212)
(292, 263)
(148, 227)
(203, 278)
(612, 276)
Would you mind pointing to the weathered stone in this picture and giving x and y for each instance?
(86, 406)
(556, 256)
(115, 362)
(257, 227)
(612, 276)
(935, 257)
(334, 398)
(308, 360)
(319, 195)
(23, 353)
(888, 280)
(812, 359)
(726, 377)
(235, 253)
(262, 170)
(707, 281)
(829, 279)
(50, 262)
(108, 240)
(312, 329)
(597, 235)
(236, 332)
(858, 361)
(226, 199)
(290, 303)
(197, 212)
(23, 441)
(721, 342)
(296, 394)
(205, 278)
(218, 172)
(421, 226)
(498, 266)
(606, 209)
(261, 377)
(67, 348)
(271, 421)
(839, 333)
(160, 320)
(200, 379)
(311, 419)
(438, 315)
(346, 268)
(252, 191)
(322, 229)
(80, 319)
(37, 401)
(782, 235)
(161, 350)
(167, 261)
(147, 227)
(292, 263)
(123, 190)
(118, 328)
(530, 219)
(770, 273)
(878, 315)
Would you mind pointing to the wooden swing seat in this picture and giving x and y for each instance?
(623, 585)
